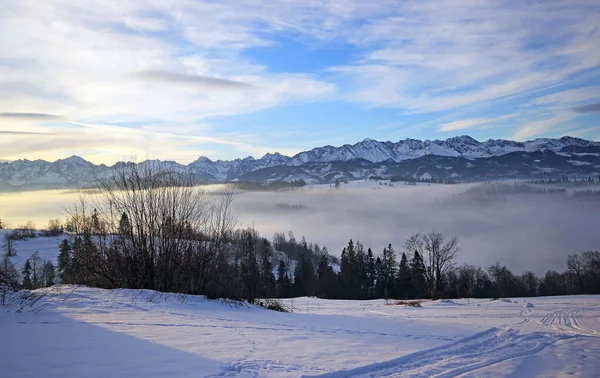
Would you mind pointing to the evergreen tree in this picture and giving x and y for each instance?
(370, 274)
(125, 228)
(362, 289)
(283, 280)
(388, 270)
(419, 283)
(268, 286)
(49, 274)
(404, 287)
(64, 261)
(379, 278)
(326, 279)
(37, 270)
(95, 222)
(304, 280)
(351, 272)
(249, 269)
(26, 272)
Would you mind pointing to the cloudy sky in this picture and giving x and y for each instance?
(176, 79)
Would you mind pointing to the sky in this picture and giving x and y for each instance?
(178, 79)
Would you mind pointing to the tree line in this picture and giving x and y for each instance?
(429, 271)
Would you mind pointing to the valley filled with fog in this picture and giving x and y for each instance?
(522, 228)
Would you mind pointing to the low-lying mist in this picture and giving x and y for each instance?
(524, 229)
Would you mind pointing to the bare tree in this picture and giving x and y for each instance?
(438, 256)
(591, 260)
(9, 246)
(576, 266)
(150, 228)
(9, 278)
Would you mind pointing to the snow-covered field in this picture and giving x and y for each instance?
(83, 332)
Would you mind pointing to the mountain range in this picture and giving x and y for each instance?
(459, 158)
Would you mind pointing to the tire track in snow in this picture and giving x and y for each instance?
(566, 322)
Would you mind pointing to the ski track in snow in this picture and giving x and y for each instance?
(467, 355)
(322, 338)
(485, 349)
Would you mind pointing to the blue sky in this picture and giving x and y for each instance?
(179, 79)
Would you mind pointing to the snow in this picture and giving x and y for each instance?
(578, 162)
(79, 331)
(586, 154)
(47, 247)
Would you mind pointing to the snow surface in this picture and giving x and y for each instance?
(579, 162)
(79, 331)
(47, 247)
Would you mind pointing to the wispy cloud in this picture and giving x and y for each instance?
(554, 124)
(439, 55)
(31, 116)
(472, 123)
(192, 80)
(11, 132)
(569, 97)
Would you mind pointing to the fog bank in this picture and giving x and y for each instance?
(524, 231)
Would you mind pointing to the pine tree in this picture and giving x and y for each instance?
(64, 261)
(37, 269)
(125, 228)
(49, 274)
(351, 272)
(388, 267)
(283, 280)
(95, 222)
(379, 278)
(362, 289)
(304, 278)
(26, 272)
(419, 283)
(326, 279)
(404, 288)
(268, 287)
(371, 274)
(76, 273)
(249, 269)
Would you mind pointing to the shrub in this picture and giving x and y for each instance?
(408, 303)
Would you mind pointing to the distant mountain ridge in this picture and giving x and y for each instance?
(454, 158)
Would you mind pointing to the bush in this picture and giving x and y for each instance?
(408, 303)
(272, 304)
